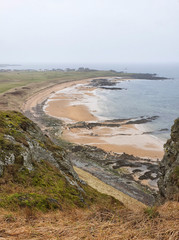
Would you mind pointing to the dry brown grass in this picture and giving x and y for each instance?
(96, 223)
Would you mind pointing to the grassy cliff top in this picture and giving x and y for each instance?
(14, 79)
(17, 86)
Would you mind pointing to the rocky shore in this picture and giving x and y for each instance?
(111, 123)
(77, 106)
(132, 175)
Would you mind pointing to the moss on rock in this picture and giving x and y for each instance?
(169, 167)
(34, 172)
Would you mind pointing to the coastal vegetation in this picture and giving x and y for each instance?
(12, 79)
(34, 172)
(42, 197)
(17, 86)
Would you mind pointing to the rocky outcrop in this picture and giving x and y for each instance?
(22, 141)
(122, 171)
(169, 167)
(36, 173)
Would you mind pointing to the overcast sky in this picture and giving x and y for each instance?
(89, 31)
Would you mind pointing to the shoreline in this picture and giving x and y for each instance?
(77, 102)
(133, 173)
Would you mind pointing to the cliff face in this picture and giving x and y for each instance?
(169, 167)
(34, 172)
(22, 142)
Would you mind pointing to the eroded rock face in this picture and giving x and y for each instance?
(169, 167)
(36, 173)
(22, 142)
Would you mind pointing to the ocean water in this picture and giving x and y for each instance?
(145, 98)
(141, 98)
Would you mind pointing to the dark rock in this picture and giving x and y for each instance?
(22, 141)
(147, 132)
(147, 76)
(143, 120)
(163, 129)
(148, 175)
(169, 167)
(101, 82)
(136, 170)
(90, 125)
(118, 120)
(113, 88)
(108, 168)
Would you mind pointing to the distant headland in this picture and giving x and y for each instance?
(9, 65)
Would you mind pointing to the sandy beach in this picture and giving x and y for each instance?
(76, 102)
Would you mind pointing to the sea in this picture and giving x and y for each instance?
(139, 98)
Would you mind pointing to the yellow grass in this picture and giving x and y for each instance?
(97, 223)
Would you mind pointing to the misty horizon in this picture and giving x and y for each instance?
(91, 31)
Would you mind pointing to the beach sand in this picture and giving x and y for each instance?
(62, 109)
(76, 102)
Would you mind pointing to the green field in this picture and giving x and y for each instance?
(13, 79)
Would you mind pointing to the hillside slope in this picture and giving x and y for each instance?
(41, 197)
(34, 171)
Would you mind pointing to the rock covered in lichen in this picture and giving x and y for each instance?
(22, 141)
(169, 167)
(23, 146)
(35, 173)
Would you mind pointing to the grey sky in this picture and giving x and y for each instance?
(89, 31)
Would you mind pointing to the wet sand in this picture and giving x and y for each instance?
(76, 102)
(65, 111)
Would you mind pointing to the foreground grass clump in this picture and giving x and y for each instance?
(151, 212)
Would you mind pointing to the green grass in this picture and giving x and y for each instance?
(10, 80)
(43, 187)
(151, 212)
